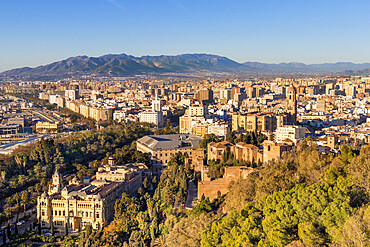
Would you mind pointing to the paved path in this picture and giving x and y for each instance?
(192, 194)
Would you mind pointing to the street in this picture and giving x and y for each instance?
(22, 228)
(192, 194)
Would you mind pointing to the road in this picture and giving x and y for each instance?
(14, 219)
(21, 228)
(11, 146)
(192, 194)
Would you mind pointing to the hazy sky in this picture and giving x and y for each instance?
(35, 32)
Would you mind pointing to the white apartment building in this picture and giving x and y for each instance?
(119, 115)
(293, 133)
(197, 110)
(151, 117)
(219, 129)
(70, 95)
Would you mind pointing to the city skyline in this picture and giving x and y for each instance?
(39, 33)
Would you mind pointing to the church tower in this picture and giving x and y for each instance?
(56, 185)
(291, 104)
(111, 161)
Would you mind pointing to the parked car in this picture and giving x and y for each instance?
(20, 222)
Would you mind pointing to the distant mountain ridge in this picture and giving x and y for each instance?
(127, 65)
(122, 64)
(301, 67)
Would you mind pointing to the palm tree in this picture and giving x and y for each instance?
(17, 209)
(24, 200)
(9, 201)
(8, 214)
(16, 198)
(22, 180)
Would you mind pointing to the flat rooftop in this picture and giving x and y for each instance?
(173, 141)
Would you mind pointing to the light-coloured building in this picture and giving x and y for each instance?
(151, 117)
(156, 105)
(48, 127)
(292, 133)
(219, 129)
(119, 115)
(70, 95)
(56, 99)
(89, 202)
(155, 116)
(101, 114)
(196, 112)
(43, 96)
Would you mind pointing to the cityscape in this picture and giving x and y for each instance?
(193, 149)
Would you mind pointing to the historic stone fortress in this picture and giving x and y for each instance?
(211, 189)
(88, 202)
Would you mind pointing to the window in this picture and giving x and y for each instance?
(97, 215)
(42, 213)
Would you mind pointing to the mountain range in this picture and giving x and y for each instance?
(127, 65)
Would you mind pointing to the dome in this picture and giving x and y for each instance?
(44, 195)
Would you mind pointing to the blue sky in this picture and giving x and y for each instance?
(35, 32)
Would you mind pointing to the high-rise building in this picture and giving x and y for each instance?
(71, 95)
(204, 96)
(156, 104)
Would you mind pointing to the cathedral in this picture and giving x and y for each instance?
(291, 105)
